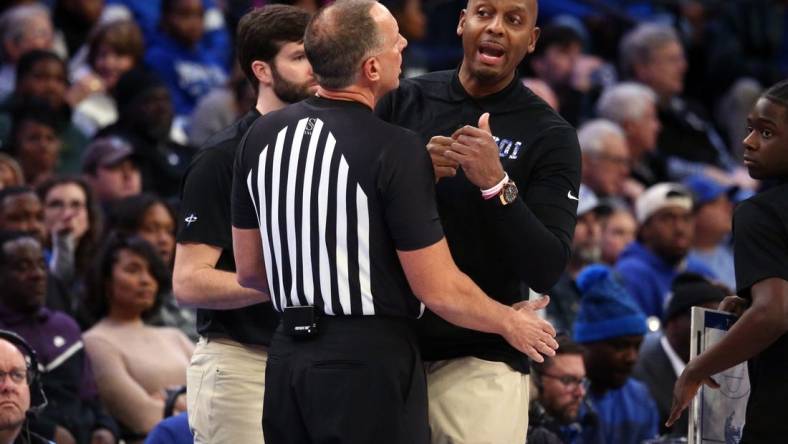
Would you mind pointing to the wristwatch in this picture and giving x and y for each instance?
(508, 193)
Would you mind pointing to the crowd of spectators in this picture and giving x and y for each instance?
(103, 103)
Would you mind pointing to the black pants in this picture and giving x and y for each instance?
(359, 381)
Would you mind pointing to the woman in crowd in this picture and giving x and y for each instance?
(73, 227)
(114, 48)
(149, 217)
(134, 363)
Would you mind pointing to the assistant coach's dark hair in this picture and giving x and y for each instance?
(263, 31)
(337, 40)
(778, 93)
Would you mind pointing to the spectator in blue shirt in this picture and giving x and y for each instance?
(611, 327)
(181, 58)
(649, 265)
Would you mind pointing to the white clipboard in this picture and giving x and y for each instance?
(717, 415)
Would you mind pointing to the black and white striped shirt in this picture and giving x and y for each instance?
(335, 192)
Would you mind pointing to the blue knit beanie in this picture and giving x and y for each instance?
(606, 308)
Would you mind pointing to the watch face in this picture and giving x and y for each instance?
(509, 192)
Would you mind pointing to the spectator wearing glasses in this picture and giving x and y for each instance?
(606, 159)
(610, 326)
(74, 413)
(73, 229)
(561, 384)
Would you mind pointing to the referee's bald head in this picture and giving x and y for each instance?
(338, 38)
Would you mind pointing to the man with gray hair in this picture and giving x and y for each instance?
(334, 218)
(633, 107)
(22, 28)
(653, 55)
(606, 158)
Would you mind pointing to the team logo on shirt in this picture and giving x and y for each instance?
(190, 219)
(508, 148)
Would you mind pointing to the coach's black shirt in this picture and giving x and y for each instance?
(205, 219)
(497, 246)
(335, 191)
(760, 251)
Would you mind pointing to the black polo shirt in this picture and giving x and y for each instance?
(760, 232)
(335, 192)
(498, 246)
(205, 219)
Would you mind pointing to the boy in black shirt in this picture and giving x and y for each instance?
(226, 376)
(501, 238)
(334, 216)
(760, 231)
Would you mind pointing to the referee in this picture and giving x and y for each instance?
(509, 169)
(334, 216)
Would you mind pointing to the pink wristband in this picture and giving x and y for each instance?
(492, 192)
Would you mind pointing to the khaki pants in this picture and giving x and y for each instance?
(225, 386)
(472, 401)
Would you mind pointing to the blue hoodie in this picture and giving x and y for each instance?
(648, 277)
(189, 73)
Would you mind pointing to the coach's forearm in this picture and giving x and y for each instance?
(207, 287)
(460, 301)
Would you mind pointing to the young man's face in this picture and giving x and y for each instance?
(24, 275)
(116, 181)
(496, 35)
(766, 144)
(23, 212)
(669, 233)
(562, 389)
(292, 74)
(610, 362)
(38, 148)
(46, 80)
(185, 21)
(151, 113)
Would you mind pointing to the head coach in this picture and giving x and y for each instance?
(509, 177)
(334, 216)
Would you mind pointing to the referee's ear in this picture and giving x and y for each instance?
(262, 71)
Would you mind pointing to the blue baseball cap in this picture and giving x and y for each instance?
(705, 189)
